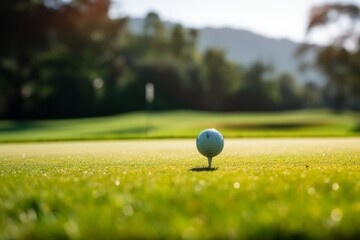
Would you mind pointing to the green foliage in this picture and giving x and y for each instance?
(49, 65)
(256, 91)
(221, 79)
(273, 189)
(72, 60)
(288, 92)
(340, 61)
(312, 96)
(342, 69)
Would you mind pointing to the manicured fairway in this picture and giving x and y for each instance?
(185, 124)
(262, 188)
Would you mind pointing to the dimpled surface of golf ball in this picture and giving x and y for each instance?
(210, 142)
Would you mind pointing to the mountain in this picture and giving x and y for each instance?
(245, 48)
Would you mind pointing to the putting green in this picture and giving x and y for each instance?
(260, 188)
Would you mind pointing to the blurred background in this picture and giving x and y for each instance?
(82, 58)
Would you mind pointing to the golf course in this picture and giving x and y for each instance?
(204, 120)
(139, 175)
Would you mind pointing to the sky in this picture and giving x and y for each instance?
(271, 18)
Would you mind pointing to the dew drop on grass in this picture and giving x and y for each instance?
(311, 191)
(117, 182)
(189, 233)
(286, 172)
(72, 229)
(128, 211)
(336, 215)
(28, 216)
(95, 194)
(335, 187)
(236, 185)
(197, 188)
(32, 216)
(23, 217)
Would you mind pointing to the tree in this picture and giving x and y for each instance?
(288, 92)
(340, 61)
(154, 34)
(332, 13)
(222, 79)
(312, 96)
(20, 43)
(193, 38)
(255, 93)
(53, 51)
(178, 41)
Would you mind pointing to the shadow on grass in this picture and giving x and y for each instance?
(282, 125)
(135, 130)
(356, 128)
(202, 169)
(19, 126)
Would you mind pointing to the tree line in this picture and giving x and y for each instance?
(69, 59)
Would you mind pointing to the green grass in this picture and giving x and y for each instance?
(261, 188)
(185, 124)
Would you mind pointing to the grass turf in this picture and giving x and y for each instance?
(260, 188)
(185, 124)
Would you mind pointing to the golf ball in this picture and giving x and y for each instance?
(210, 143)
